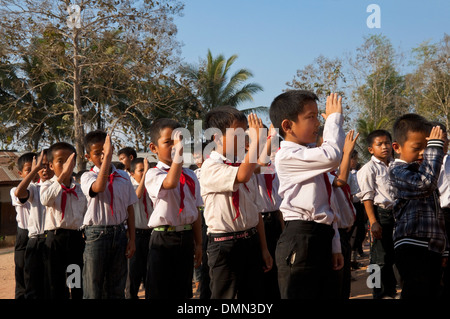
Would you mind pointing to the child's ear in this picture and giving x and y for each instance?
(153, 148)
(286, 125)
(396, 147)
(50, 165)
(370, 149)
(87, 157)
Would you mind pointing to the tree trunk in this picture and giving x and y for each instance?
(77, 114)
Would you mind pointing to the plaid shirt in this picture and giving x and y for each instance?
(418, 216)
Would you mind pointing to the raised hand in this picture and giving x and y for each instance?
(333, 105)
(350, 142)
(436, 134)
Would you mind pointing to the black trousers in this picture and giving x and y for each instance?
(35, 268)
(360, 225)
(63, 247)
(170, 265)
(303, 257)
(235, 267)
(420, 270)
(343, 276)
(382, 254)
(446, 274)
(272, 228)
(20, 247)
(137, 264)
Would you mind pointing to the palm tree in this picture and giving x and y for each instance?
(210, 81)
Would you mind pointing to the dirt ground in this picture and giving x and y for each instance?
(359, 289)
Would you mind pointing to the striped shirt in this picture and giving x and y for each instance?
(418, 217)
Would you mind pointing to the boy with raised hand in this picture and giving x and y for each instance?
(309, 248)
(108, 220)
(176, 240)
(25, 199)
(65, 208)
(237, 247)
(420, 239)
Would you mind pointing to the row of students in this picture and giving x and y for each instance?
(309, 250)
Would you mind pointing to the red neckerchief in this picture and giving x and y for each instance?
(66, 191)
(145, 202)
(269, 184)
(235, 194)
(111, 178)
(185, 179)
(346, 189)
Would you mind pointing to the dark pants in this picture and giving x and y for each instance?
(35, 268)
(170, 265)
(272, 228)
(235, 267)
(63, 247)
(382, 254)
(304, 260)
(420, 270)
(203, 270)
(360, 226)
(343, 276)
(20, 247)
(137, 264)
(446, 274)
(105, 263)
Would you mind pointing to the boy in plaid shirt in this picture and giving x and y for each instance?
(420, 240)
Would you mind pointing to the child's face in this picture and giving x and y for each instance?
(95, 154)
(354, 162)
(26, 169)
(164, 145)
(45, 173)
(59, 159)
(381, 148)
(412, 149)
(304, 131)
(126, 160)
(233, 142)
(138, 172)
(198, 159)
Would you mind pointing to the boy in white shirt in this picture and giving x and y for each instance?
(143, 208)
(309, 248)
(25, 198)
(35, 255)
(65, 207)
(237, 247)
(377, 198)
(108, 219)
(176, 240)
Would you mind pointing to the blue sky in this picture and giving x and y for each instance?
(274, 39)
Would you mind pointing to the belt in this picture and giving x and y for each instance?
(143, 231)
(173, 228)
(269, 214)
(229, 236)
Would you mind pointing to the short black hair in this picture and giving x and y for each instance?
(377, 133)
(59, 146)
(160, 124)
(94, 137)
(288, 105)
(134, 162)
(410, 122)
(223, 117)
(25, 158)
(128, 151)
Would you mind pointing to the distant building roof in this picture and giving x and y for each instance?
(9, 174)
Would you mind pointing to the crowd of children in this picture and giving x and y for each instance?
(253, 221)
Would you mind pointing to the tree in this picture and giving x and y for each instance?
(429, 84)
(379, 90)
(107, 48)
(213, 87)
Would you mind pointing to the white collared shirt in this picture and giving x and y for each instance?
(444, 183)
(140, 216)
(269, 204)
(342, 206)
(31, 214)
(217, 184)
(98, 207)
(166, 202)
(75, 208)
(373, 181)
(300, 171)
